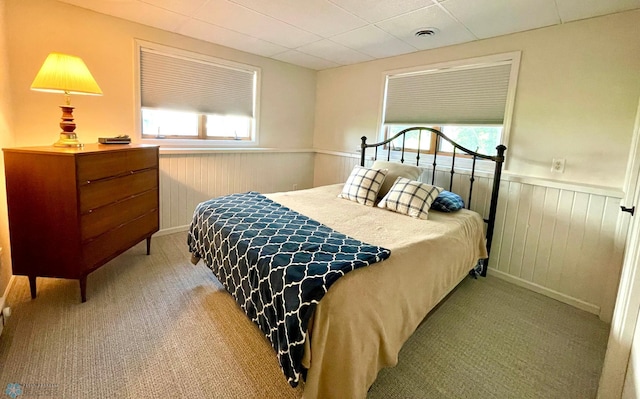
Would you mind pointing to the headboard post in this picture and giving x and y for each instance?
(499, 159)
(363, 146)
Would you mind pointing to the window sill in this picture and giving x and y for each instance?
(198, 143)
(164, 150)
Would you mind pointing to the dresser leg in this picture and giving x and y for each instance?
(32, 286)
(148, 245)
(83, 289)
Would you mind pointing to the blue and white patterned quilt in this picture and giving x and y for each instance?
(276, 263)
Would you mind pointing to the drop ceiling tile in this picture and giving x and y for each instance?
(318, 16)
(405, 26)
(571, 10)
(305, 60)
(373, 41)
(334, 52)
(135, 11)
(212, 33)
(489, 18)
(184, 7)
(275, 26)
(243, 20)
(375, 11)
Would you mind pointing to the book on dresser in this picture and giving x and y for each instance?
(71, 210)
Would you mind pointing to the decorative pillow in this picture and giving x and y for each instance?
(448, 202)
(395, 170)
(363, 185)
(410, 197)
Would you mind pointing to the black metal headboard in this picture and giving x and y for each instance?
(497, 159)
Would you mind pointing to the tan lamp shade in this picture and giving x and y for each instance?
(62, 73)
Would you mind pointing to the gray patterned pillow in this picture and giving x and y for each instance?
(410, 197)
(363, 185)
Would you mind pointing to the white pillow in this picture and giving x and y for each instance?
(363, 185)
(395, 170)
(410, 197)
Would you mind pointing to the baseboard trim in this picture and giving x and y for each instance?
(5, 294)
(558, 296)
(172, 230)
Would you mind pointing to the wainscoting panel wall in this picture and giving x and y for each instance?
(554, 240)
(188, 179)
(332, 168)
(559, 242)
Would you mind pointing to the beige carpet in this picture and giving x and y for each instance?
(156, 326)
(518, 345)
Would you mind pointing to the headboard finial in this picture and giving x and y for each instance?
(501, 149)
(363, 145)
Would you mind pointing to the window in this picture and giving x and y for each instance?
(157, 123)
(470, 101)
(481, 139)
(189, 96)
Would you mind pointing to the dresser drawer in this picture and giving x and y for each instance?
(108, 164)
(111, 216)
(103, 192)
(114, 242)
(142, 159)
(100, 165)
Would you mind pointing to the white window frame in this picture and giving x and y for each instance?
(194, 142)
(512, 57)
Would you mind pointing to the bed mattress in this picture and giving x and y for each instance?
(364, 319)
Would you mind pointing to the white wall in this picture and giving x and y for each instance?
(6, 140)
(186, 179)
(106, 44)
(34, 28)
(559, 242)
(553, 238)
(576, 97)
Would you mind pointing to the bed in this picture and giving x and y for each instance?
(360, 324)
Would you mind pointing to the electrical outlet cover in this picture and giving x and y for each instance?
(557, 165)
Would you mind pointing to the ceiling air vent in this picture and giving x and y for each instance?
(426, 32)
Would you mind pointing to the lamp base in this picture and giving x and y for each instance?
(68, 140)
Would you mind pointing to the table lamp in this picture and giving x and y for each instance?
(68, 74)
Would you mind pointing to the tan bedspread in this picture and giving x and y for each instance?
(366, 316)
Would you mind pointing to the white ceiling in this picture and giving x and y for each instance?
(322, 34)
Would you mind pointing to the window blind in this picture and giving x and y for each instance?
(180, 84)
(476, 96)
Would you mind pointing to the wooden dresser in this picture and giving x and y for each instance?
(73, 210)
